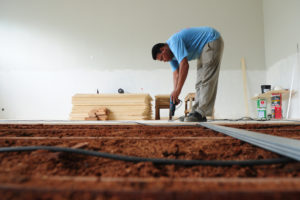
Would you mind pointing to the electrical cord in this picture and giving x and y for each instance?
(180, 104)
(158, 161)
(239, 119)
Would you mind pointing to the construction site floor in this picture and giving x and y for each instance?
(52, 175)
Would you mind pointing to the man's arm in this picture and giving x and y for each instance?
(181, 77)
(175, 77)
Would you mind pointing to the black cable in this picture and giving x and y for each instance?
(196, 124)
(166, 125)
(153, 160)
(239, 119)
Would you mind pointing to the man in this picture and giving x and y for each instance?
(204, 44)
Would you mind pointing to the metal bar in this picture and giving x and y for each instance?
(281, 145)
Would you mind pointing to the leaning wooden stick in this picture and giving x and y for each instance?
(245, 86)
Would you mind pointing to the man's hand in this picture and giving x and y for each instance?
(174, 97)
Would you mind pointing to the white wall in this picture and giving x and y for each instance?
(282, 34)
(50, 50)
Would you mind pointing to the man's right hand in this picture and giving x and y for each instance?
(174, 97)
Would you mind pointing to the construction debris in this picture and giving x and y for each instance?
(120, 106)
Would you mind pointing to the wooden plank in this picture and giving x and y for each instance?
(269, 94)
(107, 103)
(81, 108)
(129, 118)
(115, 97)
(245, 86)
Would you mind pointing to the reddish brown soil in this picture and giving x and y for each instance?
(48, 175)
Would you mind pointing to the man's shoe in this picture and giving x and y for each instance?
(181, 118)
(195, 117)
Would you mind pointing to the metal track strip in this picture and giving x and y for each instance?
(281, 145)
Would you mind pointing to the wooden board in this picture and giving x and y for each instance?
(245, 86)
(269, 94)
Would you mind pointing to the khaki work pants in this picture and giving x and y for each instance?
(208, 67)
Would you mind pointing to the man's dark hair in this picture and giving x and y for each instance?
(156, 49)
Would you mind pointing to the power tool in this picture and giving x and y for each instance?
(172, 108)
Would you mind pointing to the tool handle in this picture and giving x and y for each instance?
(172, 109)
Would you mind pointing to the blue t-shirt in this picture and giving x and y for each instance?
(189, 43)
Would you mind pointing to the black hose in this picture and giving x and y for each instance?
(153, 160)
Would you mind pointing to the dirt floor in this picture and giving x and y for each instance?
(51, 175)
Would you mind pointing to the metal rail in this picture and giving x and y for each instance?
(281, 145)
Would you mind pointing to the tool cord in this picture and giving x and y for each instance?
(158, 161)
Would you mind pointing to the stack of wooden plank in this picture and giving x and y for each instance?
(120, 106)
(98, 114)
